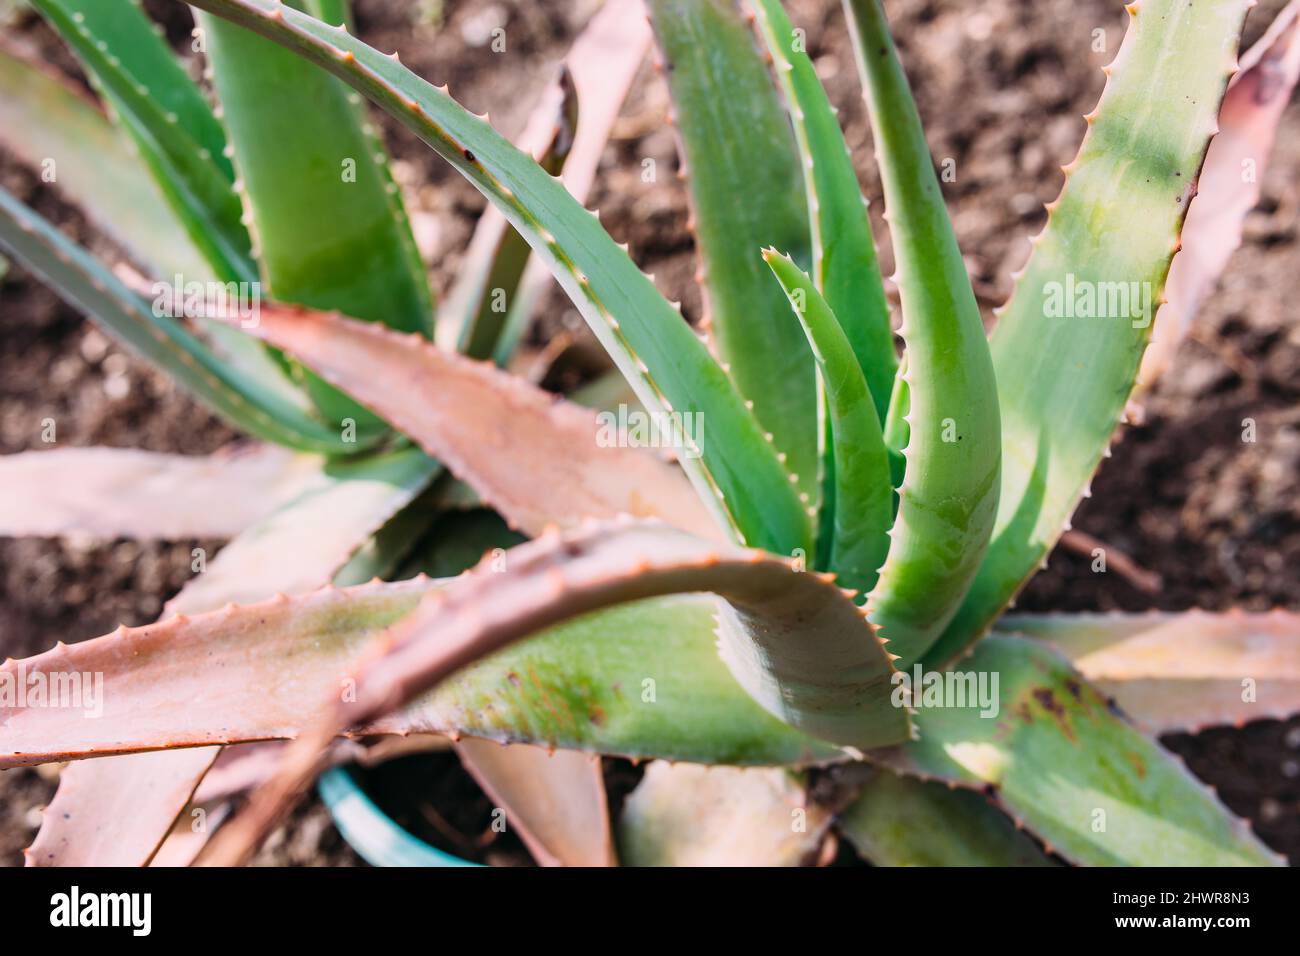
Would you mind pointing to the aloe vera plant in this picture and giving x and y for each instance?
(818, 577)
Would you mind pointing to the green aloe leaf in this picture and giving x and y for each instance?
(166, 115)
(900, 821)
(863, 494)
(331, 231)
(44, 119)
(1068, 346)
(949, 495)
(844, 265)
(744, 177)
(88, 286)
(1061, 761)
(147, 207)
(737, 472)
(793, 640)
(897, 430)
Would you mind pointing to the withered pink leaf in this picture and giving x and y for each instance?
(602, 62)
(189, 681)
(242, 767)
(1229, 185)
(554, 801)
(536, 459)
(189, 834)
(124, 493)
(237, 770)
(110, 813)
(1182, 672)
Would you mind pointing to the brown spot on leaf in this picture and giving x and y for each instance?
(1138, 763)
(1047, 700)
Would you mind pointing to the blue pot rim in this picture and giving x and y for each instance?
(371, 832)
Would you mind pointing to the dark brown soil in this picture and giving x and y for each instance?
(1002, 87)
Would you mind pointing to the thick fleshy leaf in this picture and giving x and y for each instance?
(797, 645)
(949, 495)
(900, 821)
(319, 529)
(639, 681)
(602, 63)
(329, 225)
(738, 473)
(794, 641)
(554, 801)
(1181, 672)
(733, 817)
(85, 284)
(1066, 765)
(1067, 347)
(1229, 185)
(864, 497)
(536, 459)
(167, 116)
(844, 265)
(123, 493)
(745, 187)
